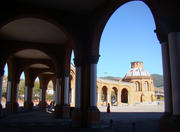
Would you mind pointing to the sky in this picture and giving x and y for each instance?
(128, 36)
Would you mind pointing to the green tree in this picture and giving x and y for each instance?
(36, 90)
(21, 88)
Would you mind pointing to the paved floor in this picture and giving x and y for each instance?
(40, 120)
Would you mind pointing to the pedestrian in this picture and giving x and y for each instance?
(108, 108)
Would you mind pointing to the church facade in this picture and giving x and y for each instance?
(136, 87)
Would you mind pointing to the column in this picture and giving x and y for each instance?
(66, 89)
(174, 50)
(54, 95)
(72, 92)
(93, 85)
(9, 91)
(118, 98)
(57, 91)
(26, 93)
(1, 84)
(167, 78)
(78, 87)
(32, 95)
(40, 96)
(17, 89)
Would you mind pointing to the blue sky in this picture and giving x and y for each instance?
(129, 36)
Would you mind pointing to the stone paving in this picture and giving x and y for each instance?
(144, 118)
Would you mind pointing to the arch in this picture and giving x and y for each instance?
(137, 86)
(48, 19)
(124, 95)
(36, 91)
(108, 12)
(50, 92)
(146, 86)
(114, 96)
(104, 95)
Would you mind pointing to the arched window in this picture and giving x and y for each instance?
(137, 86)
(146, 86)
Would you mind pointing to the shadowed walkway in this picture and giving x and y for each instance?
(40, 120)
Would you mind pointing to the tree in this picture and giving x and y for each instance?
(21, 89)
(36, 90)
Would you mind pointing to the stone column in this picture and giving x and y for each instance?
(59, 107)
(40, 95)
(57, 91)
(54, 95)
(174, 50)
(1, 84)
(76, 114)
(25, 93)
(8, 91)
(118, 98)
(66, 88)
(93, 83)
(78, 87)
(167, 79)
(66, 106)
(17, 89)
(93, 111)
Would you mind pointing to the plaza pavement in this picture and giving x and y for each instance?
(133, 118)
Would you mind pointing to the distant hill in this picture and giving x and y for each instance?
(158, 80)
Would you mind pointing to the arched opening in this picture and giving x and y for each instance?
(49, 92)
(4, 87)
(124, 95)
(21, 90)
(137, 85)
(146, 86)
(131, 38)
(114, 96)
(36, 92)
(104, 99)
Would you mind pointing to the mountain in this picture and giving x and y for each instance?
(158, 80)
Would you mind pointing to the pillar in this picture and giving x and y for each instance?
(54, 95)
(93, 83)
(66, 106)
(76, 114)
(8, 101)
(118, 98)
(167, 79)
(174, 50)
(66, 90)
(1, 84)
(25, 93)
(93, 111)
(28, 103)
(58, 107)
(42, 101)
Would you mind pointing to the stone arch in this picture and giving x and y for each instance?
(104, 95)
(114, 99)
(108, 12)
(138, 86)
(124, 95)
(146, 86)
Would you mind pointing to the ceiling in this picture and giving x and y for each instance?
(31, 54)
(33, 30)
(75, 6)
(39, 66)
